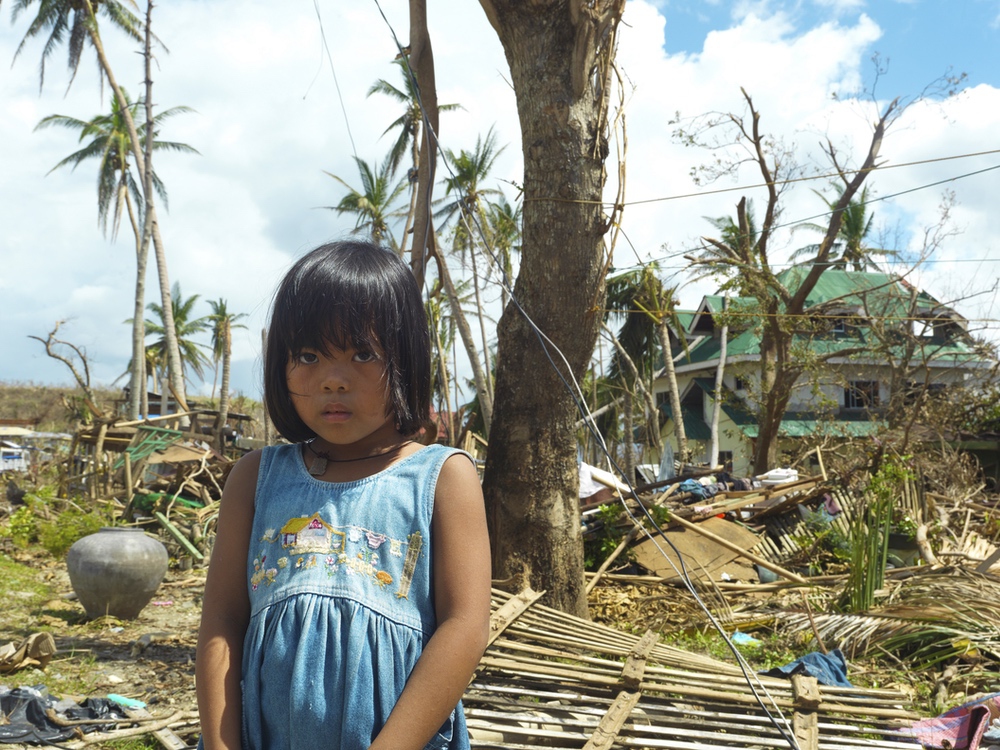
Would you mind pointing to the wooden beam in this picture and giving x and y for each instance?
(510, 611)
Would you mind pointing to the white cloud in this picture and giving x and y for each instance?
(270, 122)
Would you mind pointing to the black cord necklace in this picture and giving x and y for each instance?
(319, 464)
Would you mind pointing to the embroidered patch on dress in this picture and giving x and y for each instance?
(375, 540)
(416, 542)
(306, 562)
(311, 534)
(396, 547)
(354, 534)
(262, 574)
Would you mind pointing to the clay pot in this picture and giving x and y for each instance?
(116, 571)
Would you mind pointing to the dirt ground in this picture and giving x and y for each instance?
(150, 658)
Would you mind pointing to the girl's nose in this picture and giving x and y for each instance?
(335, 378)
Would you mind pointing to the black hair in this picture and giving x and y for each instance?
(356, 293)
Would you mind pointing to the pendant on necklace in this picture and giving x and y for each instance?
(318, 467)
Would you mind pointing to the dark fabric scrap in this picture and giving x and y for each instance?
(24, 710)
(828, 669)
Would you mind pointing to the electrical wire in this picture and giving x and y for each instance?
(336, 82)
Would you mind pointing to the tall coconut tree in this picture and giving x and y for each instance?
(373, 205)
(222, 322)
(105, 138)
(78, 20)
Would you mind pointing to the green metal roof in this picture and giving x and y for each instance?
(808, 424)
(694, 426)
(888, 296)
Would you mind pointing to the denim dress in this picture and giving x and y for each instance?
(341, 602)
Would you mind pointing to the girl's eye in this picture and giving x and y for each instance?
(306, 358)
(365, 357)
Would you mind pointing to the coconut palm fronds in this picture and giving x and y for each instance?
(929, 619)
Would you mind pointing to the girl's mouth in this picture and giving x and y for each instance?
(336, 414)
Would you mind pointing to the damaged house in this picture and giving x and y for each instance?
(869, 342)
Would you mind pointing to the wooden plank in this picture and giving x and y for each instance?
(635, 664)
(607, 730)
(805, 721)
(512, 609)
(741, 552)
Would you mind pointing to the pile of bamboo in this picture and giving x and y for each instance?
(552, 680)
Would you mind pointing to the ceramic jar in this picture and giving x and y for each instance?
(116, 571)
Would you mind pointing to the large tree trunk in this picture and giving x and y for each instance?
(531, 478)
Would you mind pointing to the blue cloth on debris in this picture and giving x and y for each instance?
(695, 488)
(828, 669)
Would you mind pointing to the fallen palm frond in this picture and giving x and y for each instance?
(927, 619)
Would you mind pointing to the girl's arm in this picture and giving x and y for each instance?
(461, 549)
(226, 612)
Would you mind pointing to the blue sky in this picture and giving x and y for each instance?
(920, 38)
(269, 124)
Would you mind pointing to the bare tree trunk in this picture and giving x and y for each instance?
(652, 422)
(480, 315)
(675, 396)
(478, 375)
(531, 483)
(220, 419)
(137, 376)
(414, 183)
(422, 65)
(628, 438)
(720, 371)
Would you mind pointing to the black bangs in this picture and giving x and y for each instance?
(350, 295)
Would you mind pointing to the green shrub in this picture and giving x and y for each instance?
(58, 536)
(21, 526)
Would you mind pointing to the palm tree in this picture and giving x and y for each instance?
(117, 188)
(855, 225)
(191, 352)
(409, 124)
(79, 18)
(647, 306)
(108, 142)
(223, 322)
(503, 235)
(469, 171)
(372, 205)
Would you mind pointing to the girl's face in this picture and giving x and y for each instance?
(342, 395)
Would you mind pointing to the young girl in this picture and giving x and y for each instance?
(348, 597)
